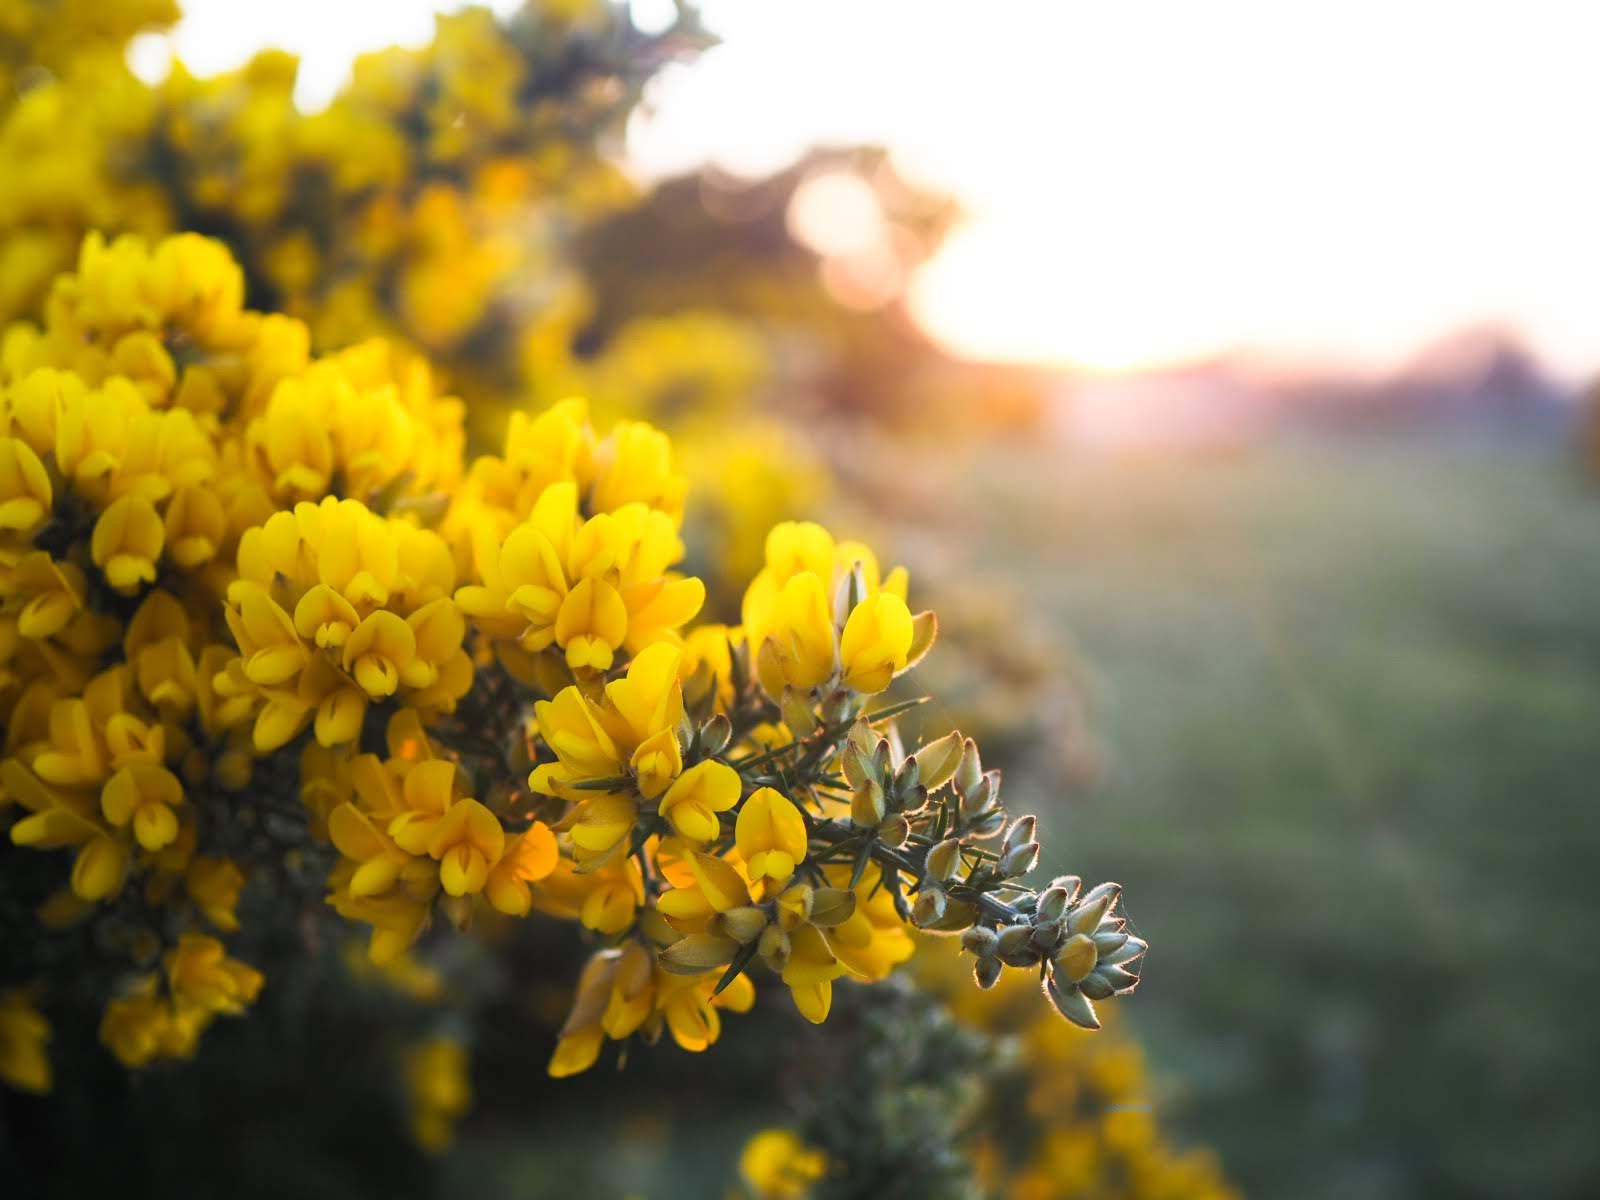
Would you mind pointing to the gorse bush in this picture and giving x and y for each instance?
(263, 628)
(312, 717)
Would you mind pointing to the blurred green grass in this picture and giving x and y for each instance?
(1350, 695)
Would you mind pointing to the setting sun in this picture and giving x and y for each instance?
(1177, 180)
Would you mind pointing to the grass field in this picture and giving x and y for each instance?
(1350, 698)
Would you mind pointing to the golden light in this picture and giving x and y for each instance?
(1145, 182)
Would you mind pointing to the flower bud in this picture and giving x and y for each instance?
(1052, 903)
(1021, 832)
(714, 734)
(970, 771)
(894, 831)
(743, 924)
(1086, 917)
(1107, 941)
(1130, 950)
(1096, 987)
(938, 760)
(944, 860)
(1019, 860)
(978, 801)
(929, 905)
(906, 777)
(774, 947)
(1076, 958)
(1117, 979)
(797, 715)
(881, 759)
(794, 905)
(832, 906)
(856, 766)
(697, 952)
(1070, 884)
(1071, 1004)
(868, 807)
(986, 972)
(1015, 945)
(980, 940)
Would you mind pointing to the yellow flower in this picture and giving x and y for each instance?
(214, 885)
(25, 493)
(570, 725)
(195, 526)
(810, 971)
(52, 594)
(436, 1082)
(127, 543)
(24, 1032)
(146, 796)
(771, 835)
(873, 940)
(201, 974)
(137, 1028)
(876, 641)
(799, 646)
(776, 1165)
(378, 860)
(467, 842)
(591, 623)
(690, 805)
(529, 857)
(379, 651)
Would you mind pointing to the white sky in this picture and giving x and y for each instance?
(1148, 180)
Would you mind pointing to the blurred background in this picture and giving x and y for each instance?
(1220, 372)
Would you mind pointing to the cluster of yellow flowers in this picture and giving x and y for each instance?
(435, 198)
(254, 608)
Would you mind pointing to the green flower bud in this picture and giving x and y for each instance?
(944, 860)
(714, 734)
(980, 940)
(1130, 950)
(698, 952)
(1052, 903)
(970, 771)
(929, 905)
(1096, 903)
(1019, 860)
(797, 713)
(1016, 946)
(938, 760)
(1070, 884)
(743, 924)
(894, 831)
(1076, 958)
(1108, 940)
(868, 806)
(832, 906)
(986, 972)
(1071, 1004)
(1020, 833)
(1115, 978)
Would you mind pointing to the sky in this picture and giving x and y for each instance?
(1145, 182)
